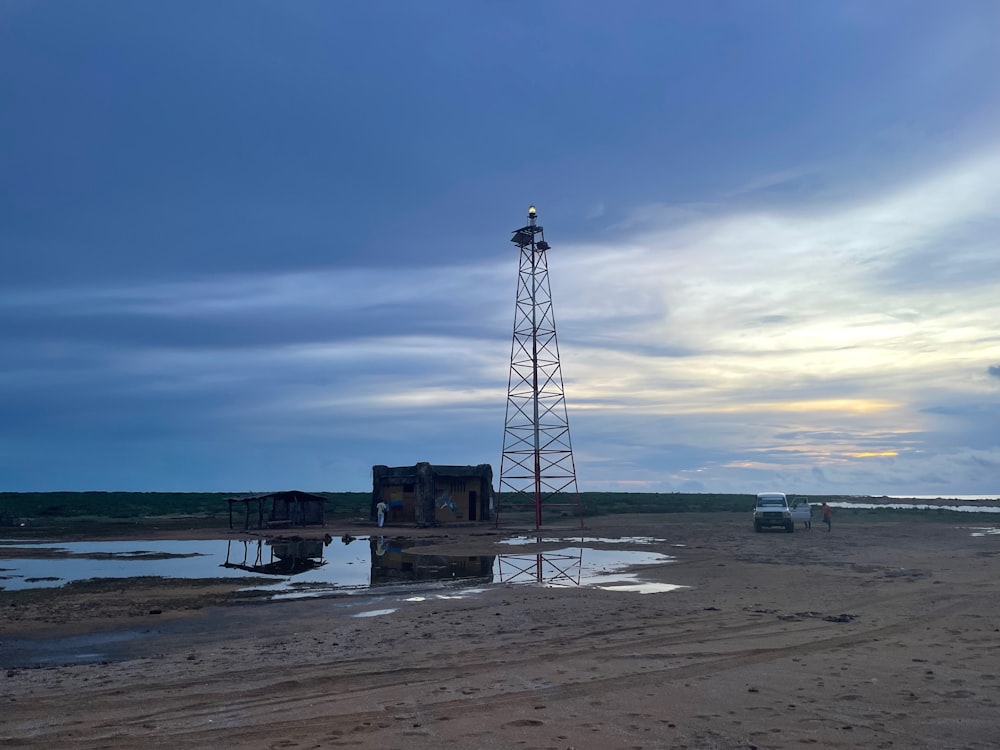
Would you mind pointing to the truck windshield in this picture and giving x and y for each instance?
(770, 501)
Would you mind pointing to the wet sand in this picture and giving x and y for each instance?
(875, 636)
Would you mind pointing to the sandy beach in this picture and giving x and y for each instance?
(874, 636)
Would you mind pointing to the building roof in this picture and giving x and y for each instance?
(437, 469)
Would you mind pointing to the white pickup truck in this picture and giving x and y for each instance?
(773, 509)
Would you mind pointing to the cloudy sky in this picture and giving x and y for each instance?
(265, 245)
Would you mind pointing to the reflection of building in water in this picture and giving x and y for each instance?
(552, 568)
(390, 564)
(285, 557)
(427, 494)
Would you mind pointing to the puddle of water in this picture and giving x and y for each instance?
(374, 613)
(643, 588)
(220, 558)
(464, 594)
(384, 569)
(311, 568)
(919, 506)
(571, 566)
(523, 540)
(80, 649)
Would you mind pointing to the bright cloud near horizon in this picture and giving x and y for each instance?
(265, 246)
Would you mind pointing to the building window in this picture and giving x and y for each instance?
(458, 486)
(408, 488)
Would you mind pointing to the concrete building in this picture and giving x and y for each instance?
(428, 495)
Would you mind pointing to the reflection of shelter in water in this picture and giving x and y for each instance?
(278, 509)
(287, 557)
(390, 564)
(551, 568)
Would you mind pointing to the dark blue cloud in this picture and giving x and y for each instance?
(153, 141)
(246, 328)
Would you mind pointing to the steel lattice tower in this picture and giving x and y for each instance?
(537, 470)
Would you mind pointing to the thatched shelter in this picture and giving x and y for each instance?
(280, 510)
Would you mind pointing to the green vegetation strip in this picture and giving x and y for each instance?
(118, 512)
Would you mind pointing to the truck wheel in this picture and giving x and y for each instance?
(790, 527)
(756, 526)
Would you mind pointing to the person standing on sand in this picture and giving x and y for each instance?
(827, 516)
(381, 509)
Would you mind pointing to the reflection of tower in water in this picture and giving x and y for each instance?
(550, 568)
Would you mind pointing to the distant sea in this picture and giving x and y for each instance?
(982, 503)
(963, 498)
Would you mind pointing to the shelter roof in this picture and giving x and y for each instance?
(298, 494)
